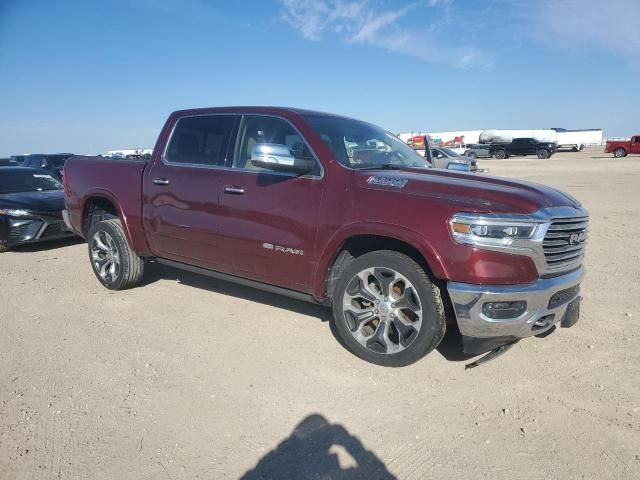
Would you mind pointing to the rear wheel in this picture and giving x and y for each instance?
(470, 155)
(543, 153)
(500, 154)
(114, 263)
(386, 310)
(619, 153)
(4, 248)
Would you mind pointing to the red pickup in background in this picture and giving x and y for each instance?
(622, 148)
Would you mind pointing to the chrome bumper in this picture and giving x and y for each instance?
(540, 315)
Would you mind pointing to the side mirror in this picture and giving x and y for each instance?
(279, 158)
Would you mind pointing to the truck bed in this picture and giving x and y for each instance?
(118, 180)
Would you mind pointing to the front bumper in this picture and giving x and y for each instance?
(32, 228)
(547, 301)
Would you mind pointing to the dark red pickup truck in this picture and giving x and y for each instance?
(622, 148)
(340, 212)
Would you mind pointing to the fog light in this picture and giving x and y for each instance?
(504, 310)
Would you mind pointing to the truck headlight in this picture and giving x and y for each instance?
(491, 231)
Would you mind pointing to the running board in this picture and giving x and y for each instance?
(305, 297)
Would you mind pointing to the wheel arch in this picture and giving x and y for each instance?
(106, 202)
(355, 242)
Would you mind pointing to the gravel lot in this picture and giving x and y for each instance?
(186, 377)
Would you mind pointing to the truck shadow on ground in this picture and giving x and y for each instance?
(318, 450)
(450, 347)
(156, 271)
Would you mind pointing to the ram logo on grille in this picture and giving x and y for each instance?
(577, 238)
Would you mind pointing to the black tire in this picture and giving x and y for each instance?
(130, 270)
(433, 324)
(620, 153)
(543, 153)
(4, 248)
(500, 154)
(471, 155)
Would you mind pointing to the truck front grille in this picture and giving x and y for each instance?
(564, 244)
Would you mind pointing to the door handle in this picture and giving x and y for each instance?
(233, 190)
(161, 181)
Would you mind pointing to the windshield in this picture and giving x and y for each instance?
(359, 145)
(449, 153)
(57, 161)
(15, 182)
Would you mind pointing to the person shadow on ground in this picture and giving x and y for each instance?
(319, 450)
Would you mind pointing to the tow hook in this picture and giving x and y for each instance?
(493, 354)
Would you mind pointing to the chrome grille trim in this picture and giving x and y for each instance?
(561, 255)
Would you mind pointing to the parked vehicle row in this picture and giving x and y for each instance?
(339, 212)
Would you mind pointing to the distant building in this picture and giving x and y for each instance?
(129, 151)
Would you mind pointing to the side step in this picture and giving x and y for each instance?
(305, 297)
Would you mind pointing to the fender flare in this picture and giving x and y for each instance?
(395, 232)
(107, 195)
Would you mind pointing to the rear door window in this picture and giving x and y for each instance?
(202, 140)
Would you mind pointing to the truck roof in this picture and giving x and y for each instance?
(254, 109)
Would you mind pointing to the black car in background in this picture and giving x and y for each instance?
(522, 146)
(51, 162)
(31, 204)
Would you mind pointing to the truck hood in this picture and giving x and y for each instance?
(478, 193)
(50, 201)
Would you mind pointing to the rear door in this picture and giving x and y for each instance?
(269, 220)
(517, 147)
(181, 189)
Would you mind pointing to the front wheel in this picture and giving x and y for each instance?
(114, 263)
(470, 155)
(386, 310)
(543, 153)
(619, 153)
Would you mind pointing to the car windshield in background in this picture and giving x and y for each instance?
(56, 162)
(449, 153)
(16, 182)
(360, 145)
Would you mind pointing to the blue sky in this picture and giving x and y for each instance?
(91, 75)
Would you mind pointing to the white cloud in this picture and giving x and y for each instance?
(582, 25)
(364, 22)
(313, 17)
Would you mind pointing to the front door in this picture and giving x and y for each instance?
(635, 144)
(268, 220)
(181, 209)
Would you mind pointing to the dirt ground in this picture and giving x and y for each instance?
(187, 377)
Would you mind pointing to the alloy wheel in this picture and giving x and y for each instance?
(382, 310)
(105, 257)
